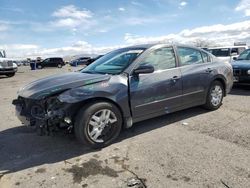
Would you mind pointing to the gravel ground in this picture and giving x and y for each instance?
(191, 148)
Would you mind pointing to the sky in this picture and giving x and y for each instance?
(46, 28)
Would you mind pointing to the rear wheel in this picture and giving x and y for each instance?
(98, 124)
(215, 96)
(10, 74)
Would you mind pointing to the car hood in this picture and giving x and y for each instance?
(241, 64)
(55, 84)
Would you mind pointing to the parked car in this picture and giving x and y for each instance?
(50, 62)
(7, 67)
(81, 61)
(227, 53)
(95, 58)
(125, 86)
(241, 67)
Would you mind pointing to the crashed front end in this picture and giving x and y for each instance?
(46, 115)
(52, 102)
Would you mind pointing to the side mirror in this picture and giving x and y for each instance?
(144, 69)
(234, 58)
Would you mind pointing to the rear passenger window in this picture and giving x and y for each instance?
(189, 56)
(205, 57)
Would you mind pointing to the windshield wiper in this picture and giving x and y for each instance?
(89, 72)
(95, 72)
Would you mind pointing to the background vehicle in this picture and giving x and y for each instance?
(7, 66)
(50, 62)
(95, 58)
(241, 67)
(125, 86)
(81, 61)
(227, 53)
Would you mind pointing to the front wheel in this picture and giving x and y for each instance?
(98, 124)
(215, 96)
(39, 66)
(59, 65)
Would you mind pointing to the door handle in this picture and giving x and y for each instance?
(209, 70)
(175, 78)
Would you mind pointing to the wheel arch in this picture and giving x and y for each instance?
(222, 80)
(101, 99)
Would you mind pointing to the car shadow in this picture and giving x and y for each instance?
(241, 89)
(21, 148)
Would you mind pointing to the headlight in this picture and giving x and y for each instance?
(14, 65)
(248, 72)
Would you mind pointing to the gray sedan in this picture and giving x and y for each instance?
(125, 86)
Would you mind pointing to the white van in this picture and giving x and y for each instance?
(227, 53)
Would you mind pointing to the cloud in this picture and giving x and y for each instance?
(72, 12)
(136, 3)
(244, 6)
(182, 4)
(218, 34)
(71, 17)
(18, 50)
(12, 9)
(122, 9)
(23, 51)
(3, 27)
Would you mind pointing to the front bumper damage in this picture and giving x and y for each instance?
(47, 115)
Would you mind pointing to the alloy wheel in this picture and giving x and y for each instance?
(101, 125)
(216, 95)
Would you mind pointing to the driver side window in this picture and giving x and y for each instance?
(161, 59)
(46, 61)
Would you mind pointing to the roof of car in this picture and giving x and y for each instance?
(223, 47)
(146, 46)
(143, 46)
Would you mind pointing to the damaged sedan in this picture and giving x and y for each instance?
(123, 87)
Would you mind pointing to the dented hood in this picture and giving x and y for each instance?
(55, 84)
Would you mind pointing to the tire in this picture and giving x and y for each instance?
(10, 74)
(39, 66)
(214, 102)
(59, 65)
(83, 129)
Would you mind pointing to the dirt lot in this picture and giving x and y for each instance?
(191, 148)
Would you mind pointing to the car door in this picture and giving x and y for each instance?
(159, 92)
(196, 70)
(53, 62)
(46, 62)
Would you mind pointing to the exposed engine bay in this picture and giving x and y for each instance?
(46, 115)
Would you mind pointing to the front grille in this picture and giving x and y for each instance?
(7, 64)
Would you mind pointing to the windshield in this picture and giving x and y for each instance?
(221, 52)
(114, 62)
(244, 55)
